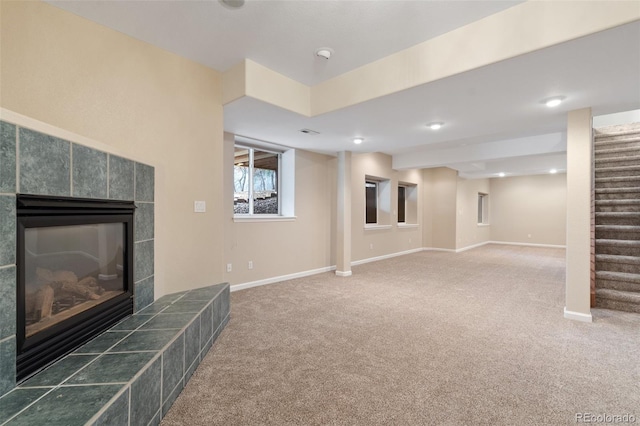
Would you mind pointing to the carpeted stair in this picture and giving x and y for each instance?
(617, 217)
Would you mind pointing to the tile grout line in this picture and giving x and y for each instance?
(108, 175)
(70, 169)
(17, 188)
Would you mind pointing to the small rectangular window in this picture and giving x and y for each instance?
(402, 204)
(483, 208)
(256, 181)
(371, 190)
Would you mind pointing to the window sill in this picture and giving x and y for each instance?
(375, 227)
(484, 224)
(263, 218)
(407, 225)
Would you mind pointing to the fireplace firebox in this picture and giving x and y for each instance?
(75, 274)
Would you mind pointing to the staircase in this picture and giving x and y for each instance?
(617, 217)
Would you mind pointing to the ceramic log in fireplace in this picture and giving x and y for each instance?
(75, 274)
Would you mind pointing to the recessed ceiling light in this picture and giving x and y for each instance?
(233, 4)
(554, 102)
(553, 171)
(358, 141)
(501, 174)
(324, 52)
(436, 125)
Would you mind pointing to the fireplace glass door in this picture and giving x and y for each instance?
(69, 269)
(74, 274)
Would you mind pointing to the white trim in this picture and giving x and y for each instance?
(484, 224)
(386, 256)
(344, 273)
(407, 225)
(460, 250)
(438, 249)
(281, 278)
(527, 244)
(577, 316)
(265, 218)
(375, 227)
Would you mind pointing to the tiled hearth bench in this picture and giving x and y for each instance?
(130, 374)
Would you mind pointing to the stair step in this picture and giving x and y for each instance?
(602, 143)
(619, 190)
(613, 263)
(611, 242)
(632, 159)
(618, 300)
(618, 205)
(617, 182)
(621, 281)
(622, 130)
(618, 171)
(618, 247)
(622, 193)
(619, 276)
(618, 218)
(617, 232)
(615, 152)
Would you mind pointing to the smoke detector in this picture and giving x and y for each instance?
(324, 52)
(232, 4)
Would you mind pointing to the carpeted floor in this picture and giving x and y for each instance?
(429, 338)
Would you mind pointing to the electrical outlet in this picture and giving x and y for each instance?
(199, 206)
(528, 235)
(229, 267)
(371, 246)
(409, 240)
(251, 264)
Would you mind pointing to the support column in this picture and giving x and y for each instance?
(343, 215)
(579, 182)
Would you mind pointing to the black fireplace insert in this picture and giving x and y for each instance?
(75, 274)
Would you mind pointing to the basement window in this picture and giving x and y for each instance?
(402, 204)
(407, 204)
(483, 209)
(371, 208)
(377, 214)
(263, 182)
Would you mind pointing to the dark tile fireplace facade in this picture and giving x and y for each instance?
(35, 163)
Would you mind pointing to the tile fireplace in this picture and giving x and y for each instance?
(70, 277)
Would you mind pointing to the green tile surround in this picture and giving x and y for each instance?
(130, 374)
(48, 165)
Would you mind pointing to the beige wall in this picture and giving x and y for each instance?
(140, 102)
(529, 205)
(440, 207)
(368, 243)
(283, 248)
(468, 232)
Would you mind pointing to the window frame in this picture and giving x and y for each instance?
(376, 184)
(483, 209)
(404, 208)
(251, 174)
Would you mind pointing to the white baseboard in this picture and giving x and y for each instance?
(460, 250)
(438, 249)
(281, 278)
(577, 316)
(344, 273)
(386, 256)
(526, 244)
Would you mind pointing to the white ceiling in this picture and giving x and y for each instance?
(494, 121)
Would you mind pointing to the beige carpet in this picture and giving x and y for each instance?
(428, 338)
